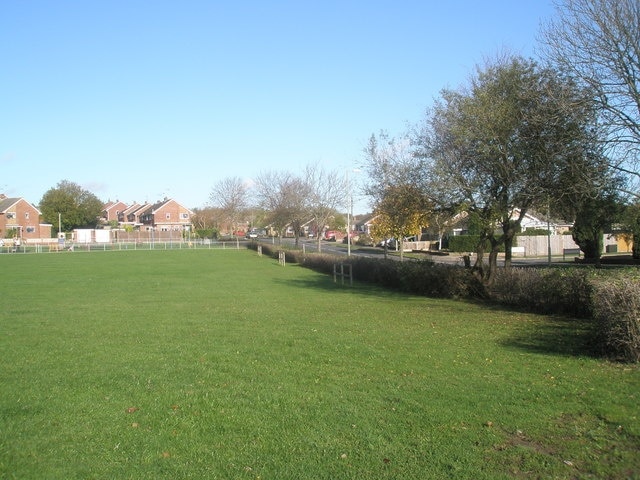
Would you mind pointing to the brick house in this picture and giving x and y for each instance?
(129, 216)
(20, 218)
(165, 216)
(111, 211)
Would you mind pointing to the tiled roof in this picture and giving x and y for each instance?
(5, 203)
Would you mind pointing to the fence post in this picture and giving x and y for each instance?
(342, 273)
(282, 260)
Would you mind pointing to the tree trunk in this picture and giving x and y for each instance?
(508, 243)
(478, 266)
(493, 266)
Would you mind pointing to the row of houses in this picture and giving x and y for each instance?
(21, 219)
(166, 215)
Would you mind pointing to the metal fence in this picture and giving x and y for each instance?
(122, 246)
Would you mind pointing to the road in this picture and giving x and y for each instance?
(334, 248)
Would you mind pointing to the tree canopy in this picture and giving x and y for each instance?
(74, 206)
(515, 137)
(597, 42)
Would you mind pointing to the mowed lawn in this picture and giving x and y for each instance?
(220, 364)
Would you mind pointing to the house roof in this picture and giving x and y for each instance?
(109, 205)
(6, 203)
(131, 209)
(152, 209)
(367, 219)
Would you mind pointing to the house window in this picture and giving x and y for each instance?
(168, 216)
(26, 215)
(31, 229)
(185, 216)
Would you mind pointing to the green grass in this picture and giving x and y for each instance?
(225, 365)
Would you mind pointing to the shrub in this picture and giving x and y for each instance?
(365, 240)
(417, 277)
(445, 281)
(533, 232)
(468, 243)
(376, 270)
(565, 291)
(617, 313)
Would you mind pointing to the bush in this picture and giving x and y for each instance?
(444, 281)
(365, 240)
(617, 313)
(468, 243)
(533, 232)
(564, 291)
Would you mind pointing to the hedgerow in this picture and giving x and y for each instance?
(616, 305)
(566, 291)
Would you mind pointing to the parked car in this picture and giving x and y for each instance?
(255, 233)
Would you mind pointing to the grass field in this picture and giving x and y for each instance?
(225, 365)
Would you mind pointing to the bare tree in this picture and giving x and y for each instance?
(230, 195)
(598, 43)
(283, 196)
(327, 191)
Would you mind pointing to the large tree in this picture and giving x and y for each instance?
(598, 43)
(506, 144)
(70, 205)
(594, 215)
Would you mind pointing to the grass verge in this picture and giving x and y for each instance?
(221, 364)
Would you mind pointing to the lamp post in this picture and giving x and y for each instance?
(349, 210)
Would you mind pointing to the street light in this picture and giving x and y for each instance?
(349, 210)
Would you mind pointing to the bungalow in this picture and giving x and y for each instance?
(458, 225)
(20, 219)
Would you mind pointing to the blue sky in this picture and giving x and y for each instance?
(138, 100)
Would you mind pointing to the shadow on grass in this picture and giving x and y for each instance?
(557, 335)
(325, 282)
(549, 334)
